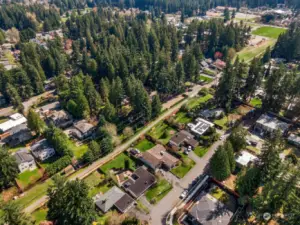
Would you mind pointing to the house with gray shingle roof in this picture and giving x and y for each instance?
(24, 160)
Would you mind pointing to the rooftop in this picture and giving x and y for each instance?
(106, 201)
(201, 127)
(244, 158)
(50, 106)
(272, 123)
(294, 138)
(139, 182)
(23, 156)
(83, 126)
(209, 211)
(158, 155)
(15, 120)
(184, 136)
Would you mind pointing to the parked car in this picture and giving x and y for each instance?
(183, 194)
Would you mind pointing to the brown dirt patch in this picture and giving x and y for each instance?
(9, 194)
(230, 182)
(234, 117)
(244, 109)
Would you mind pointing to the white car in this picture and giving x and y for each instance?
(183, 194)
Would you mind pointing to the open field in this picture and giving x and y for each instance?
(270, 32)
(250, 52)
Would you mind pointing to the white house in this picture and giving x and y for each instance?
(269, 124)
(42, 151)
(15, 120)
(25, 160)
(201, 127)
(245, 158)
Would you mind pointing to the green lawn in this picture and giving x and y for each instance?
(194, 102)
(201, 151)
(162, 132)
(117, 163)
(209, 72)
(253, 149)
(29, 177)
(270, 32)
(39, 215)
(219, 194)
(222, 122)
(256, 102)
(158, 191)
(184, 167)
(248, 53)
(144, 145)
(96, 184)
(78, 150)
(49, 161)
(181, 117)
(205, 78)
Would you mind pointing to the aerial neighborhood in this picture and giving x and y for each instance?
(149, 112)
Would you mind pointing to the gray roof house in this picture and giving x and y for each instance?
(267, 124)
(42, 151)
(82, 129)
(114, 197)
(46, 110)
(17, 135)
(61, 119)
(24, 160)
(183, 138)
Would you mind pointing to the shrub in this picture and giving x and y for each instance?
(58, 165)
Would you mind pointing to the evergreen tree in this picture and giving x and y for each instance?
(156, 106)
(35, 123)
(248, 181)
(63, 202)
(106, 145)
(109, 111)
(267, 56)
(226, 15)
(14, 97)
(219, 164)
(92, 96)
(8, 169)
(180, 76)
(237, 138)
(230, 155)
(254, 78)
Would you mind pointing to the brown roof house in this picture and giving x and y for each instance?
(61, 119)
(183, 138)
(158, 157)
(139, 182)
(114, 197)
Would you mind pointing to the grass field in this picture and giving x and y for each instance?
(78, 150)
(205, 78)
(222, 122)
(117, 163)
(29, 177)
(201, 151)
(39, 215)
(248, 53)
(181, 117)
(158, 191)
(270, 32)
(144, 145)
(256, 102)
(94, 181)
(162, 132)
(194, 102)
(181, 170)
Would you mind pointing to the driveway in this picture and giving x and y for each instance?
(160, 211)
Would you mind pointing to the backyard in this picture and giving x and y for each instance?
(97, 184)
(78, 150)
(162, 133)
(28, 178)
(181, 117)
(205, 78)
(118, 163)
(158, 191)
(144, 145)
(270, 32)
(39, 215)
(222, 122)
(194, 102)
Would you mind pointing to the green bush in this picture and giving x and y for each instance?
(58, 165)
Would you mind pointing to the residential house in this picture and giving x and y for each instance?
(139, 182)
(24, 160)
(158, 157)
(219, 64)
(267, 124)
(294, 139)
(82, 130)
(61, 119)
(212, 113)
(47, 110)
(42, 151)
(17, 135)
(244, 159)
(183, 138)
(14, 120)
(114, 197)
(204, 64)
(200, 127)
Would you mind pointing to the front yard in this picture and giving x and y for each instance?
(201, 151)
(158, 191)
(185, 166)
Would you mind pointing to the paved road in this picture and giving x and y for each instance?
(93, 167)
(9, 110)
(160, 211)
